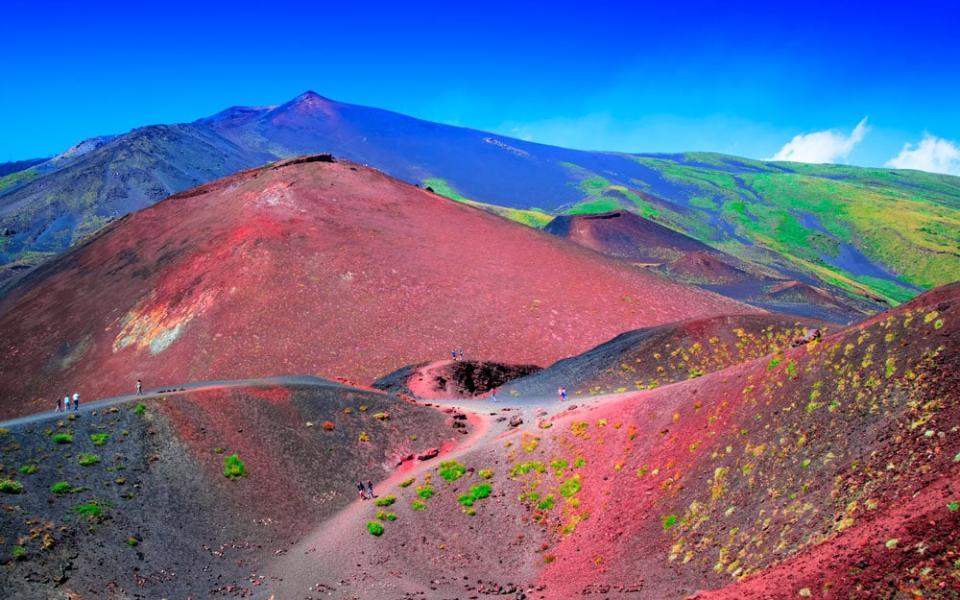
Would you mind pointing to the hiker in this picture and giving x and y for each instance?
(76, 401)
(493, 395)
(66, 403)
(59, 404)
(370, 489)
(461, 353)
(562, 392)
(453, 354)
(139, 388)
(363, 495)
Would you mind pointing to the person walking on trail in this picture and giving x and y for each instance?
(363, 495)
(66, 403)
(461, 354)
(493, 395)
(562, 393)
(370, 488)
(76, 401)
(139, 388)
(453, 354)
(59, 404)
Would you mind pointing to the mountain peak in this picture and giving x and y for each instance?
(309, 97)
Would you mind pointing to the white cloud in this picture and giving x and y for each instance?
(932, 154)
(822, 146)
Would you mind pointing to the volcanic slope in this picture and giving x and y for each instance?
(135, 500)
(313, 267)
(828, 470)
(656, 356)
(623, 234)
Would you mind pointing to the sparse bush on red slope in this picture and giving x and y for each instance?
(317, 268)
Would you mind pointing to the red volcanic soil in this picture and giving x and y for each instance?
(837, 460)
(312, 267)
(706, 267)
(626, 235)
(798, 292)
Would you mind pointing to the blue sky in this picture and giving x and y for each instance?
(743, 78)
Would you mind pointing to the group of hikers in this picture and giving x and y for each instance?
(63, 405)
(456, 355)
(366, 491)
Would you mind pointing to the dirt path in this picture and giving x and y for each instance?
(174, 390)
(330, 554)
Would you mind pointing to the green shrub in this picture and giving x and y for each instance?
(140, 408)
(953, 506)
(61, 487)
(425, 492)
(92, 510)
(466, 500)
(9, 486)
(63, 438)
(773, 363)
(417, 505)
(526, 467)
(385, 501)
(375, 528)
(546, 503)
(99, 439)
(132, 541)
(485, 473)
(571, 486)
(19, 553)
(386, 516)
(88, 459)
(29, 469)
(669, 521)
(451, 470)
(481, 491)
(407, 482)
(233, 467)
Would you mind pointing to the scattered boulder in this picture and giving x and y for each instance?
(516, 421)
(428, 454)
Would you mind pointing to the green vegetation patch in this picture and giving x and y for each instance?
(425, 491)
(88, 460)
(375, 528)
(451, 470)
(233, 467)
(669, 521)
(9, 486)
(93, 510)
(63, 438)
(140, 408)
(385, 501)
(386, 516)
(525, 467)
(99, 439)
(418, 505)
(571, 486)
(443, 188)
(28, 469)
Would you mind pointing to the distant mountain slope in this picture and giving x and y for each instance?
(877, 233)
(313, 267)
(18, 165)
